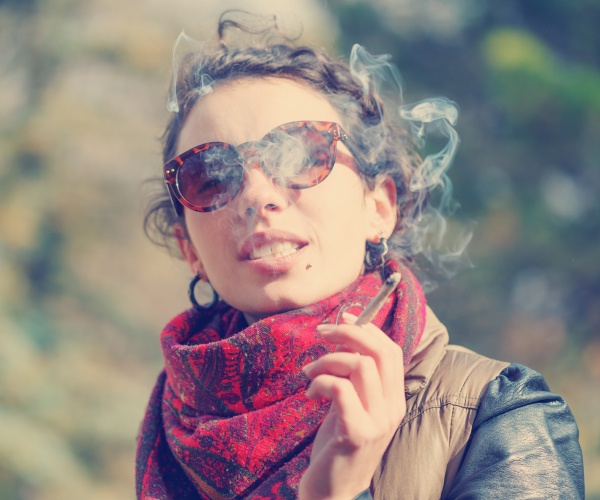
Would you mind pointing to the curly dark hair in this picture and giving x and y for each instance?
(386, 146)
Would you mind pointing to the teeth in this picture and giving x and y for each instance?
(276, 249)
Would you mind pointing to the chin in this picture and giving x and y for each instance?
(283, 296)
(270, 307)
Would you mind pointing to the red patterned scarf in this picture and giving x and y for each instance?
(228, 417)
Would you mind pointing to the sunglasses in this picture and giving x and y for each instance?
(296, 155)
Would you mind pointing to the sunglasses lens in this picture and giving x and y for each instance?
(299, 156)
(211, 178)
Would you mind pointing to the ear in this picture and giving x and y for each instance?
(381, 203)
(188, 252)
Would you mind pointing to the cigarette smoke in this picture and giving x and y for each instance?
(425, 233)
(183, 47)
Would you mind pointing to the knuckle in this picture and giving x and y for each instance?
(339, 386)
(366, 363)
(391, 353)
(375, 434)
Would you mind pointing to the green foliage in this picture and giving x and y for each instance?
(526, 76)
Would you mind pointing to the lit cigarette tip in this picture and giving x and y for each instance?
(369, 312)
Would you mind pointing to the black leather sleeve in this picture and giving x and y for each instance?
(524, 443)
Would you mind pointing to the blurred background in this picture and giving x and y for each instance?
(84, 295)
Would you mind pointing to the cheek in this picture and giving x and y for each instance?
(346, 203)
(211, 236)
(342, 220)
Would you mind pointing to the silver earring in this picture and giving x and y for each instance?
(375, 255)
(192, 295)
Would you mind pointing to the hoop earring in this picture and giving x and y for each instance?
(375, 255)
(192, 296)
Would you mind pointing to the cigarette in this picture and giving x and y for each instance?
(377, 302)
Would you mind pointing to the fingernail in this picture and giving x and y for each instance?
(349, 318)
(309, 394)
(307, 368)
(325, 328)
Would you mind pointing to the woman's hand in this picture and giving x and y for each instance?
(364, 378)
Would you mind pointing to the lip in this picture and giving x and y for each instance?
(266, 238)
(271, 265)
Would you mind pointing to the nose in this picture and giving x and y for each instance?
(259, 194)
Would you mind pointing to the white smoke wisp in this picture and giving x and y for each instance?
(438, 114)
(427, 233)
(184, 46)
(430, 234)
(374, 71)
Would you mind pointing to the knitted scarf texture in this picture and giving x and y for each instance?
(228, 417)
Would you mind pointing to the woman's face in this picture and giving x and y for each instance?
(271, 248)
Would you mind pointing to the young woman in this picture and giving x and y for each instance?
(285, 181)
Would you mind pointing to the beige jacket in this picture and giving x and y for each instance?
(443, 387)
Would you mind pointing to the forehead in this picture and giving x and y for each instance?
(246, 109)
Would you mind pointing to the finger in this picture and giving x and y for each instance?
(349, 410)
(340, 364)
(352, 337)
(350, 319)
(368, 340)
(360, 370)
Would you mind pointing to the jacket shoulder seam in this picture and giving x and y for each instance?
(455, 399)
(468, 403)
